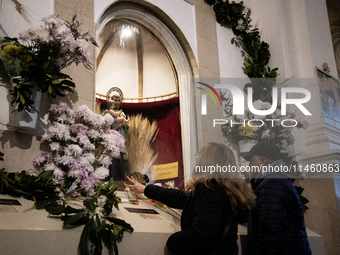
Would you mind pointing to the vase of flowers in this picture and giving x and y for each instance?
(35, 59)
(27, 120)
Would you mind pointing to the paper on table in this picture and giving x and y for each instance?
(8, 208)
(147, 216)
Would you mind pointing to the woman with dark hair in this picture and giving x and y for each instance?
(211, 205)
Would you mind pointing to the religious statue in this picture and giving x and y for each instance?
(121, 122)
(118, 167)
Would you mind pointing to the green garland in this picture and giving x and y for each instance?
(256, 56)
(255, 51)
(99, 227)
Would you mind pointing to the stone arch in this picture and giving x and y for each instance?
(181, 54)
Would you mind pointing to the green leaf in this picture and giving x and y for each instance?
(106, 237)
(39, 205)
(127, 226)
(55, 208)
(50, 89)
(46, 174)
(69, 83)
(56, 82)
(90, 204)
(88, 244)
(59, 92)
(304, 200)
(233, 40)
(250, 59)
(70, 220)
(305, 208)
(71, 210)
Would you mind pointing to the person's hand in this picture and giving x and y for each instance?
(136, 186)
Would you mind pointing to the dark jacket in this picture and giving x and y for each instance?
(276, 224)
(204, 218)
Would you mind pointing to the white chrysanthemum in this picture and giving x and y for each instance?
(57, 172)
(83, 44)
(73, 173)
(44, 34)
(83, 161)
(84, 112)
(93, 134)
(50, 166)
(65, 160)
(101, 173)
(108, 119)
(46, 137)
(74, 149)
(89, 168)
(59, 131)
(52, 20)
(97, 120)
(90, 157)
(54, 146)
(105, 160)
(62, 118)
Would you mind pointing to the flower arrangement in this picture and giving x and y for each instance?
(263, 127)
(99, 226)
(35, 59)
(81, 148)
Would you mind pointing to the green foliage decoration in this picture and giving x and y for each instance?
(256, 55)
(100, 228)
(255, 52)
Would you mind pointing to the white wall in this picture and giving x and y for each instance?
(118, 68)
(180, 11)
(119, 63)
(13, 23)
(158, 77)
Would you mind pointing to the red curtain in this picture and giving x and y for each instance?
(168, 143)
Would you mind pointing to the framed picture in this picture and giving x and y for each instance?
(330, 97)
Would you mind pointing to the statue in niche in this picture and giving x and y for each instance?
(114, 97)
(121, 122)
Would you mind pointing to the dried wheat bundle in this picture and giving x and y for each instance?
(141, 135)
(22, 10)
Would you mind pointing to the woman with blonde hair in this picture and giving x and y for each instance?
(211, 203)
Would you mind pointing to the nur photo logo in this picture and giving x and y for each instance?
(255, 114)
(204, 97)
(239, 99)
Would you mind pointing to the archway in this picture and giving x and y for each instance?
(141, 17)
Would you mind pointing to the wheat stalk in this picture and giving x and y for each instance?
(21, 9)
(141, 135)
